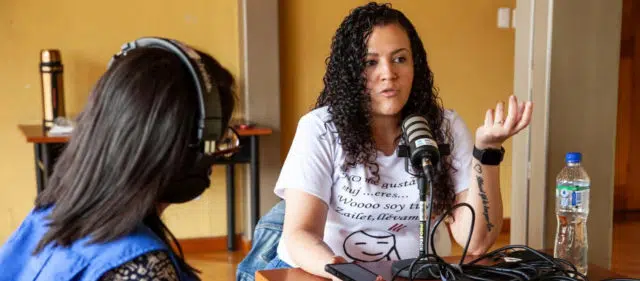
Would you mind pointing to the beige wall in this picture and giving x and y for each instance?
(88, 33)
(582, 109)
(472, 59)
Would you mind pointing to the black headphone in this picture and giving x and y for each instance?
(209, 119)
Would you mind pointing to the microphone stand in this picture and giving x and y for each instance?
(425, 219)
(405, 268)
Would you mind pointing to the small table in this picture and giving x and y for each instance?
(47, 148)
(383, 268)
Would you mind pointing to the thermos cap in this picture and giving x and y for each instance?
(49, 56)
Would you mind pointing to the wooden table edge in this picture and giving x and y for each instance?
(34, 133)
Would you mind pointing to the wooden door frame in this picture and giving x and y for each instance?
(627, 96)
(529, 158)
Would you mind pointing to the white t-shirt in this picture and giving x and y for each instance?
(365, 221)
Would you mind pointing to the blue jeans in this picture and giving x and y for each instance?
(263, 253)
(276, 263)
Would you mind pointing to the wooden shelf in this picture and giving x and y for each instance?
(254, 131)
(37, 134)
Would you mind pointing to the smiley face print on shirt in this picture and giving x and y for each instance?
(371, 245)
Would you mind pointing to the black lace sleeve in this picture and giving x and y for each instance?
(152, 266)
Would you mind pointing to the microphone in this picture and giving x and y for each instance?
(422, 145)
(423, 155)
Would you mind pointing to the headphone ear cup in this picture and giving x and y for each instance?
(190, 184)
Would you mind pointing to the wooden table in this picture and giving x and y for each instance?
(384, 269)
(47, 148)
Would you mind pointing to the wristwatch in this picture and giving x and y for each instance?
(489, 156)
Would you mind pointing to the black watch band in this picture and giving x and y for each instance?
(489, 156)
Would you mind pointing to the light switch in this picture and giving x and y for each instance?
(504, 14)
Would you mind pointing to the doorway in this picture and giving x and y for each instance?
(626, 205)
(627, 164)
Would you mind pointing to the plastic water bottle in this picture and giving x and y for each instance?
(572, 210)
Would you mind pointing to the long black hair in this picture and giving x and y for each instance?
(130, 140)
(350, 108)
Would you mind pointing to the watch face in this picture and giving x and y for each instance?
(489, 156)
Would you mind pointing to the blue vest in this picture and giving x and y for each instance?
(78, 262)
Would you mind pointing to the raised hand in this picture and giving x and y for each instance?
(497, 127)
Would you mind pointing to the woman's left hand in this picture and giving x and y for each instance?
(497, 128)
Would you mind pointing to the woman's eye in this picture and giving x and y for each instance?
(370, 62)
(401, 59)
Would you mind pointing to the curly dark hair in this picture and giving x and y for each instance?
(350, 109)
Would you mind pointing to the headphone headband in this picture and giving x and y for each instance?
(209, 125)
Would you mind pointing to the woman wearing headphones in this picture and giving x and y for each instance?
(137, 148)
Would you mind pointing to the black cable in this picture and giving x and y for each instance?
(550, 265)
(499, 271)
(544, 278)
(470, 276)
(412, 265)
(443, 216)
(512, 262)
(534, 266)
(566, 262)
(511, 247)
(440, 262)
(398, 273)
(506, 271)
(430, 260)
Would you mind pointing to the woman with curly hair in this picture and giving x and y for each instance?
(348, 195)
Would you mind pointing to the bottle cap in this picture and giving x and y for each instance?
(573, 157)
(50, 56)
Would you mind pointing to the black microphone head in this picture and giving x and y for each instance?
(419, 137)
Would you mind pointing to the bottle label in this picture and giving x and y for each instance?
(572, 187)
(571, 195)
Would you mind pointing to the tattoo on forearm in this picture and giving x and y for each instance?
(485, 202)
(478, 168)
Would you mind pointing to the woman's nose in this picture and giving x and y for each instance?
(387, 72)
